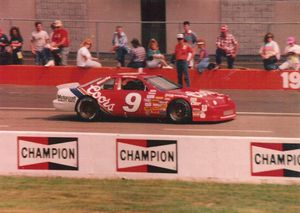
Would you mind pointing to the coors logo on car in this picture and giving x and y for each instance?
(152, 156)
(275, 159)
(48, 153)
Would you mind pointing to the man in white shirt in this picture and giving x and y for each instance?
(292, 52)
(39, 40)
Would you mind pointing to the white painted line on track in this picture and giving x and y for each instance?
(219, 130)
(239, 113)
(27, 108)
(269, 113)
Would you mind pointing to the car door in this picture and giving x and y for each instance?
(131, 99)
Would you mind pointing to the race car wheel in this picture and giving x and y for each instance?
(179, 111)
(88, 109)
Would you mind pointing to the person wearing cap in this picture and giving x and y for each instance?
(183, 54)
(270, 52)
(227, 46)
(60, 44)
(137, 54)
(292, 52)
(120, 45)
(203, 61)
(191, 38)
(84, 57)
(4, 44)
(154, 57)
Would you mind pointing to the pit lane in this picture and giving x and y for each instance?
(260, 113)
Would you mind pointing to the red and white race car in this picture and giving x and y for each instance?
(142, 95)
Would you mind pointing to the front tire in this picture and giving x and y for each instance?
(87, 109)
(179, 111)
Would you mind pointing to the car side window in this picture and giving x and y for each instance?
(133, 84)
(109, 84)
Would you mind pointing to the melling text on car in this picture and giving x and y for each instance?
(142, 95)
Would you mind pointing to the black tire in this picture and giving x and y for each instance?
(179, 111)
(88, 109)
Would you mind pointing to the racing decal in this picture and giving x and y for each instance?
(149, 156)
(47, 153)
(63, 98)
(77, 92)
(133, 101)
(104, 102)
(275, 159)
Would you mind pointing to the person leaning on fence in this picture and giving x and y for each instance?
(120, 45)
(292, 52)
(270, 52)
(154, 57)
(16, 43)
(227, 46)
(183, 54)
(60, 44)
(4, 46)
(137, 54)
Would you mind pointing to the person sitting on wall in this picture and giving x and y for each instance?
(120, 45)
(84, 57)
(292, 52)
(154, 57)
(227, 46)
(4, 46)
(270, 52)
(203, 60)
(138, 55)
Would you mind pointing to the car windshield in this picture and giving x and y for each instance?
(162, 83)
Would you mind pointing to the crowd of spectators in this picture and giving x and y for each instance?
(190, 52)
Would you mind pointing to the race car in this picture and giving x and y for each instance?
(142, 95)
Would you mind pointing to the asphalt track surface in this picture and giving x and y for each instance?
(261, 113)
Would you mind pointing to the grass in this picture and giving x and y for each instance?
(28, 194)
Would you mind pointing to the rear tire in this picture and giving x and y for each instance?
(88, 109)
(179, 111)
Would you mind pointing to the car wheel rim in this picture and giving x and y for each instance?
(178, 112)
(87, 110)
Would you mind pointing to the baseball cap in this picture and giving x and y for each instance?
(200, 41)
(224, 28)
(291, 40)
(180, 36)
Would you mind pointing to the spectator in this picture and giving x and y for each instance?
(227, 46)
(120, 45)
(154, 57)
(292, 52)
(270, 52)
(203, 56)
(183, 54)
(39, 40)
(4, 44)
(16, 43)
(191, 38)
(84, 57)
(60, 44)
(138, 54)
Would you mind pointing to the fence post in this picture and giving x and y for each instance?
(97, 39)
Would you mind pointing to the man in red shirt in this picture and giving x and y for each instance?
(60, 42)
(183, 54)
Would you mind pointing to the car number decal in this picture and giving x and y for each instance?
(133, 101)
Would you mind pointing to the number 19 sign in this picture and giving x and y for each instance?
(291, 80)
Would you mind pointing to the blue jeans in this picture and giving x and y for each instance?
(183, 69)
(42, 57)
(120, 53)
(230, 59)
(203, 65)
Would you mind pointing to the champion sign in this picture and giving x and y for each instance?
(48, 153)
(275, 159)
(152, 156)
